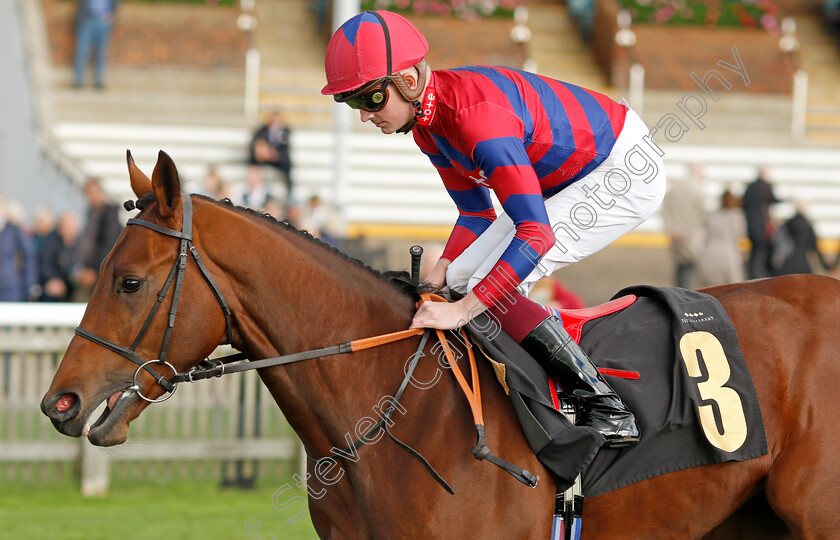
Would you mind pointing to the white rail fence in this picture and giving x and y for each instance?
(227, 427)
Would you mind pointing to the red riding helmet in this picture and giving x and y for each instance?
(367, 45)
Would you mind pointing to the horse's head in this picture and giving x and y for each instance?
(130, 321)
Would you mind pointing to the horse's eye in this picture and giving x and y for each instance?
(130, 285)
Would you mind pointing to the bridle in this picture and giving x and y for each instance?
(220, 366)
(176, 276)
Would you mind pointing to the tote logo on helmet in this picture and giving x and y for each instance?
(369, 46)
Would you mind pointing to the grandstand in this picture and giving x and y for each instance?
(200, 114)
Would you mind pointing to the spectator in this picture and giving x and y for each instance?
(275, 209)
(793, 242)
(684, 216)
(44, 224)
(94, 21)
(18, 266)
(324, 221)
(57, 260)
(270, 146)
(256, 194)
(212, 184)
(721, 260)
(758, 197)
(100, 233)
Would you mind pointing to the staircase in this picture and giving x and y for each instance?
(197, 116)
(820, 58)
(558, 48)
(292, 62)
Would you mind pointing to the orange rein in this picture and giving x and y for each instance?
(473, 394)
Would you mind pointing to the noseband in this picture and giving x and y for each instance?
(176, 275)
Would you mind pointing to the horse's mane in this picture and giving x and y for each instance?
(400, 280)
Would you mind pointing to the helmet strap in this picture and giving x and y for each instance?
(418, 114)
(412, 95)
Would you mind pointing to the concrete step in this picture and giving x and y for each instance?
(559, 51)
(169, 80)
(820, 57)
(823, 120)
(291, 63)
(826, 139)
(99, 148)
(157, 95)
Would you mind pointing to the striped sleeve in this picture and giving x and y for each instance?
(475, 208)
(495, 135)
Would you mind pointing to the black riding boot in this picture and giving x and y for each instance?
(563, 359)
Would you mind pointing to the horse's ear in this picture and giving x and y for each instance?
(166, 185)
(140, 183)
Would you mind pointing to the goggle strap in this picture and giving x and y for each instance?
(362, 90)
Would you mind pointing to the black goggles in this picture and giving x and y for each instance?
(370, 97)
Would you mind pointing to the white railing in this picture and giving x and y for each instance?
(230, 418)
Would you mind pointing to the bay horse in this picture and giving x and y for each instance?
(285, 292)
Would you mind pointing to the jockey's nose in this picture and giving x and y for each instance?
(365, 115)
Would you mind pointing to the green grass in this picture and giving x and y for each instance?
(132, 510)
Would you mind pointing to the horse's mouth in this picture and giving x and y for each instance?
(105, 431)
(102, 432)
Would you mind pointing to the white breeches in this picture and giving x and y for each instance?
(613, 199)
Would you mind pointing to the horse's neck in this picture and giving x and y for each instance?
(293, 293)
(290, 295)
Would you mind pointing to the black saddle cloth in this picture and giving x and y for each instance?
(691, 411)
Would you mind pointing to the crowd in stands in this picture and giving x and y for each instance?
(56, 258)
(707, 247)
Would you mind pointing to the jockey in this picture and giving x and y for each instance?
(573, 170)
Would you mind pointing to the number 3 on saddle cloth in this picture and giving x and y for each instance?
(694, 399)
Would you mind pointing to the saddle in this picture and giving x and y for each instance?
(660, 348)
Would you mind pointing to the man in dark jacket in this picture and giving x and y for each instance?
(57, 260)
(758, 197)
(793, 244)
(270, 146)
(101, 232)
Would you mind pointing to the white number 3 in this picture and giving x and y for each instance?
(733, 434)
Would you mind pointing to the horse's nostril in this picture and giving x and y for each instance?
(65, 402)
(62, 406)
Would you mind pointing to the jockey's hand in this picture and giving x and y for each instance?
(446, 315)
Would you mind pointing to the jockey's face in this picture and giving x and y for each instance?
(396, 113)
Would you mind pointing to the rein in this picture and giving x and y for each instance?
(225, 365)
